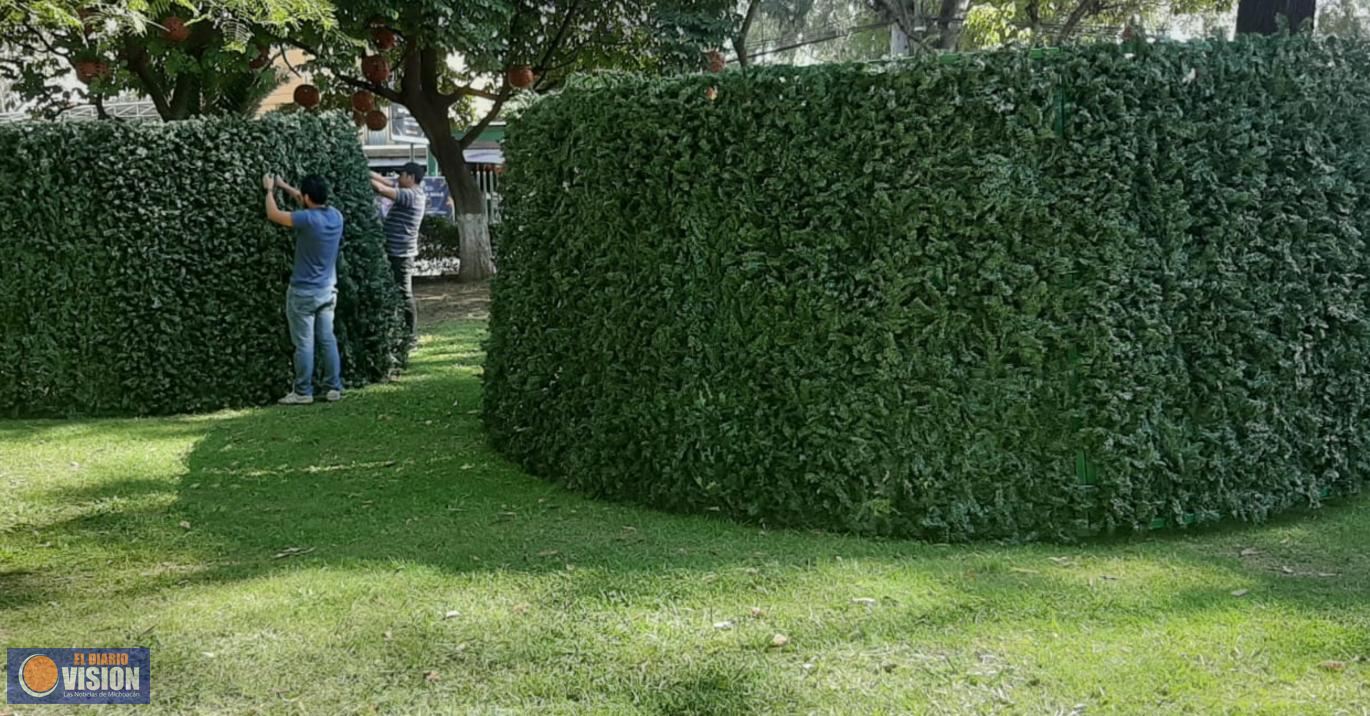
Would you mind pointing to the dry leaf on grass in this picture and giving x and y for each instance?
(1250, 552)
(1241, 592)
(292, 552)
(185, 525)
(389, 635)
(431, 677)
(1332, 665)
(758, 612)
(723, 625)
(453, 614)
(549, 553)
(864, 601)
(520, 609)
(779, 640)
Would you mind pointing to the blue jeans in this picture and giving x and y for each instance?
(310, 313)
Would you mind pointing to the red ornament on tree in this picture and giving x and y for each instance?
(87, 71)
(376, 120)
(174, 29)
(383, 37)
(520, 76)
(358, 118)
(262, 59)
(716, 61)
(307, 96)
(376, 69)
(363, 101)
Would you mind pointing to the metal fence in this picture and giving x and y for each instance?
(487, 178)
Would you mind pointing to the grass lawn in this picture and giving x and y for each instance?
(375, 556)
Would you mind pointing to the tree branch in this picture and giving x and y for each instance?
(136, 59)
(411, 79)
(475, 92)
(350, 81)
(378, 90)
(474, 132)
(542, 65)
(428, 68)
(182, 96)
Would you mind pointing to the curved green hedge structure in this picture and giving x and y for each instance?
(142, 277)
(993, 296)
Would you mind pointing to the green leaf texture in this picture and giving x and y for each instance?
(1012, 296)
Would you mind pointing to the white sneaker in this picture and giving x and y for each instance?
(333, 396)
(296, 399)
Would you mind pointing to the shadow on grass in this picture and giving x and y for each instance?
(400, 473)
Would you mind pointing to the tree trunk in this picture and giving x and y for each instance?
(1261, 17)
(899, 41)
(1081, 11)
(477, 259)
(740, 41)
(951, 17)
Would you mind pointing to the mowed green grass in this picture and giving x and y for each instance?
(375, 556)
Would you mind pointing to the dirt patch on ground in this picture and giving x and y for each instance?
(444, 299)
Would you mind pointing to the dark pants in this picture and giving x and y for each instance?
(402, 268)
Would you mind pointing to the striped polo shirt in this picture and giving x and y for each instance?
(402, 223)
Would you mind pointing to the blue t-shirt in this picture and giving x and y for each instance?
(318, 232)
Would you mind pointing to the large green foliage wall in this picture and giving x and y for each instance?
(141, 276)
(990, 296)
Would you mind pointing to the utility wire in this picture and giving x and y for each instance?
(826, 38)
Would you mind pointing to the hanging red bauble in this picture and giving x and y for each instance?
(363, 101)
(376, 69)
(716, 61)
(87, 71)
(307, 96)
(383, 38)
(376, 120)
(174, 29)
(520, 76)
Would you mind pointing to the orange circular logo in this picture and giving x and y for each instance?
(38, 676)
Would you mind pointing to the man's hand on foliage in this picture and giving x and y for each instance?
(291, 191)
(269, 182)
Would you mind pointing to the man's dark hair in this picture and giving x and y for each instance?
(414, 169)
(316, 188)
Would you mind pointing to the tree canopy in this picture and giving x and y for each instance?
(188, 57)
(435, 58)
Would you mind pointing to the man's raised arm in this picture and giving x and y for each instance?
(290, 191)
(273, 213)
(382, 186)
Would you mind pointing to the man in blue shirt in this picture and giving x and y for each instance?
(313, 294)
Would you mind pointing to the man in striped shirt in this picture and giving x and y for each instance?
(402, 233)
